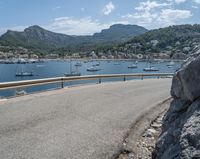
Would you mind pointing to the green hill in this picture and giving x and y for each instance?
(38, 39)
(180, 38)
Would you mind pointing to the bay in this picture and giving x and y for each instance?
(57, 68)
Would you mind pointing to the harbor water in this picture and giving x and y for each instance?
(53, 68)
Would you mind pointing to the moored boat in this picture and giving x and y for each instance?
(73, 73)
(132, 66)
(21, 74)
(151, 68)
(93, 69)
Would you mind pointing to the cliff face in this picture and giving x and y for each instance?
(180, 138)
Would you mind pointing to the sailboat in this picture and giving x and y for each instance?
(72, 73)
(93, 69)
(78, 64)
(151, 68)
(133, 65)
(96, 64)
(22, 73)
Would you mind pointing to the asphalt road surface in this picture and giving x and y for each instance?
(84, 122)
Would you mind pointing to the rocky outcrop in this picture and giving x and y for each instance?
(180, 137)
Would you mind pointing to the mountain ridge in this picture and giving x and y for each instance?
(42, 40)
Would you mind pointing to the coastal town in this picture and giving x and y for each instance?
(11, 55)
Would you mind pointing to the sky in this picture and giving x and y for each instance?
(85, 17)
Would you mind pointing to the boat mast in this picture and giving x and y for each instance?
(70, 66)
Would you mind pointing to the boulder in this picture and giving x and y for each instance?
(180, 137)
(186, 81)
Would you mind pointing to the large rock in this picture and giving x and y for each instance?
(186, 82)
(180, 137)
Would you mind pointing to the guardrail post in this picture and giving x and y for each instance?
(62, 83)
(99, 80)
(124, 78)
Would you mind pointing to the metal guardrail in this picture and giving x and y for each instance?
(62, 80)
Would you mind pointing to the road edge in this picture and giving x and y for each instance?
(129, 144)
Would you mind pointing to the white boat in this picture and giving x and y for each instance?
(78, 64)
(151, 68)
(22, 73)
(132, 66)
(72, 73)
(96, 64)
(93, 69)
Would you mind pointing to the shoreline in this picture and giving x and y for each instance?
(42, 60)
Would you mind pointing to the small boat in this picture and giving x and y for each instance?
(78, 64)
(72, 74)
(151, 68)
(93, 69)
(132, 66)
(96, 64)
(24, 74)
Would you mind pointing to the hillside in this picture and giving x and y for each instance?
(180, 38)
(38, 39)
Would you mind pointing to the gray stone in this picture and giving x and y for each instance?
(180, 137)
(185, 84)
(150, 132)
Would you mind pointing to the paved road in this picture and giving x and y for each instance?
(86, 122)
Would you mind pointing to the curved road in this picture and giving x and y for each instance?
(86, 122)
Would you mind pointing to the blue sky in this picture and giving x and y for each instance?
(85, 17)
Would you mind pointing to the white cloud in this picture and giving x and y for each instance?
(153, 15)
(149, 5)
(74, 26)
(172, 16)
(71, 26)
(108, 8)
(195, 7)
(197, 1)
(141, 18)
(180, 1)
